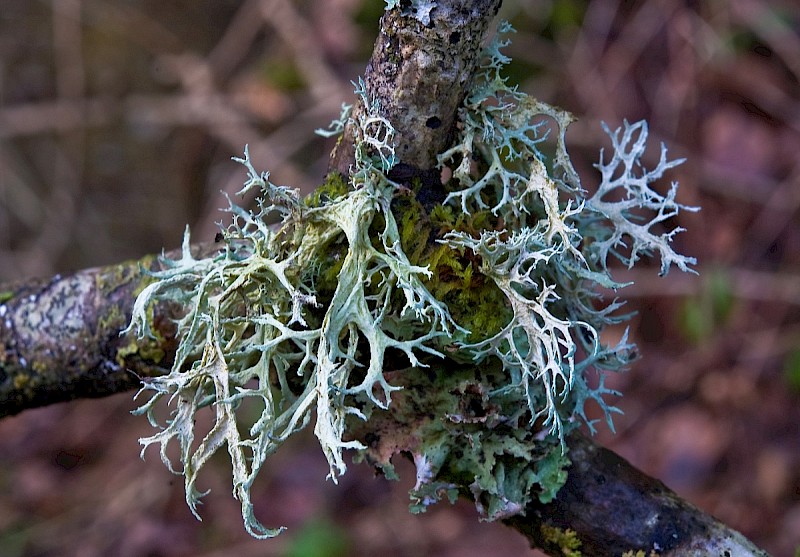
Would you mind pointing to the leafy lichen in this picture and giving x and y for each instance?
(493, 292)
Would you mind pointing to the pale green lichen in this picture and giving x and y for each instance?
(302, 318)
(418, 9)
(252, 314)
(625, 175)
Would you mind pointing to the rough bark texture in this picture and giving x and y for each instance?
(60, 338)
(419, 73)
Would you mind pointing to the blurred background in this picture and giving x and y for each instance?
(118, 120)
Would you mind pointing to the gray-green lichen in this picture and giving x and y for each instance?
(418, 9)
(309, 318)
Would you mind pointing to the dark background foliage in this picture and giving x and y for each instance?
(117, 123)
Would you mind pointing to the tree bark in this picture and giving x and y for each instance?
(613, 508)
(606, 507)
(60, 338)
(419, 73)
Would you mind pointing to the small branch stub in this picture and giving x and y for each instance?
(419, 73)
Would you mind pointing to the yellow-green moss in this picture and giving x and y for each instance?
(20, 381)
(475, 302)
(333, 187)
(148, 349)
(564, 542)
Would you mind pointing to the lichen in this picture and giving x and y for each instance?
(418, 9)
(490, 294)
(252, 312)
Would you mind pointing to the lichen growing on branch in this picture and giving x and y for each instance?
(492, 290)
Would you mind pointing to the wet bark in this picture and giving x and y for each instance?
(60, 338)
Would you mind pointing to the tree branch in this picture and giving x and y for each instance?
(419, 72)
(613, 507)
(60, 338)
(609, 506)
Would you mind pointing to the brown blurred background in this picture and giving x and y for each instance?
(117, 123)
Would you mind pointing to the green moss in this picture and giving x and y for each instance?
(560, 542)
(448, 219)
(326, 274)
(474, 301)
(6, 295)
(333, 187)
